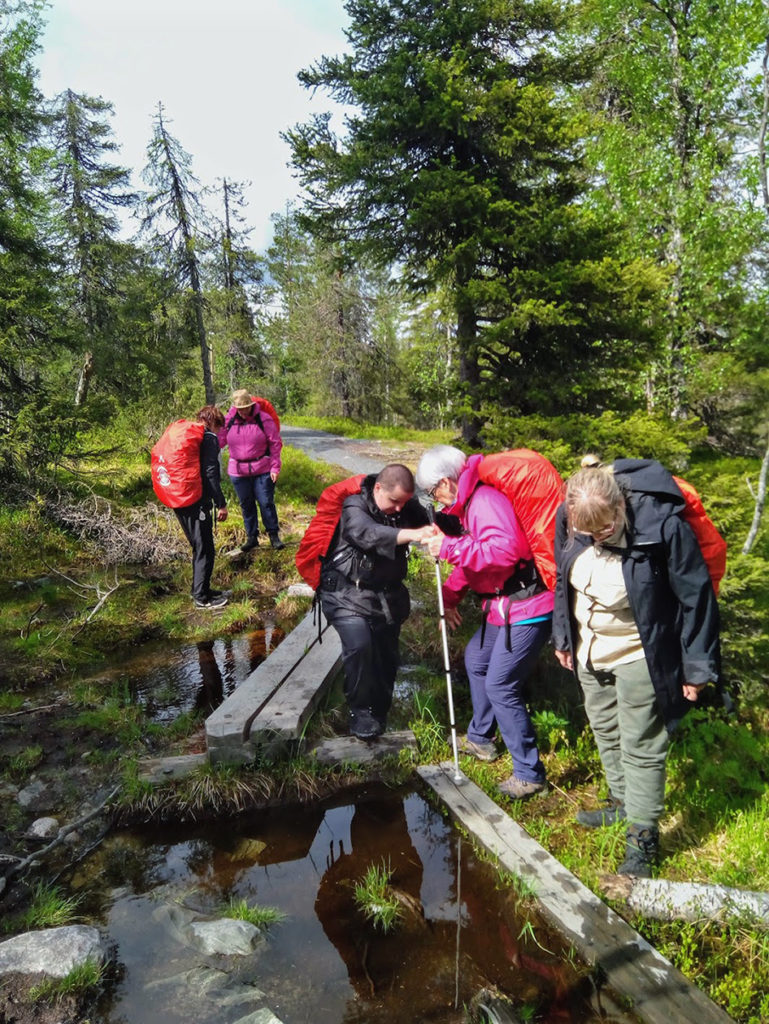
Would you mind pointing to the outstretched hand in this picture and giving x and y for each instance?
(433, 541)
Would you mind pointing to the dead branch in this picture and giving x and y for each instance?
(25, 631)
(29, 711)
(62, 835)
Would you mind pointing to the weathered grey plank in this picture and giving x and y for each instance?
(350, 750)
(283, 717)
(228, 727)
(158, 770)
(632, 967)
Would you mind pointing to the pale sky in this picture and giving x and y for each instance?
(225, 71)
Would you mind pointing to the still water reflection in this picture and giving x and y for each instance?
(167, 679)
(325, 963)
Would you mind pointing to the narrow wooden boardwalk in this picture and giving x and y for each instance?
(660, 994)
(267, 713)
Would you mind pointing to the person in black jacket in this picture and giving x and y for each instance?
(196, 519)
(636, 619)
(362, 593)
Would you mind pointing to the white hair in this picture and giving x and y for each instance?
(439, 462)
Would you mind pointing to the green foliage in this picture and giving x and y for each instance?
(374, 896)
(262, 917)
(565, 439)
(18, 766)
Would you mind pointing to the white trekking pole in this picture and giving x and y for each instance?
(458, 777)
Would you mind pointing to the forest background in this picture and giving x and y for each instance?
(542, 224)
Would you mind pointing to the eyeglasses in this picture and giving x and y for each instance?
(431, 493)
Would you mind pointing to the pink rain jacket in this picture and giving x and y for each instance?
(253, 449)
(487, 553)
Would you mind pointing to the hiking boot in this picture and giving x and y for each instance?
(484, 751)
(518, 789)
(212, 601)
(611, 811)
(276, 542)
(364, 724)
(643, 845)
(251, 543)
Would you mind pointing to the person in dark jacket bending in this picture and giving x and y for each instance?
(196, 519)
(362, 593)
(636, 619)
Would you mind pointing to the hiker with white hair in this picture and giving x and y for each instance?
(492, 558)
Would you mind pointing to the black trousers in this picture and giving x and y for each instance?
(370, 656)
(197, 522)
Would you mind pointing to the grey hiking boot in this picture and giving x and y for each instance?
(643, 846)
(211, 602)
(276, 542)
(485, 751)
(251, 543)
(518, 789)
(611, 811)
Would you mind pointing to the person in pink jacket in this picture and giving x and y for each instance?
(254, 441)
(492, 558)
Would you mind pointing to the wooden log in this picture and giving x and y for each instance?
(631, 966)
(664, 900)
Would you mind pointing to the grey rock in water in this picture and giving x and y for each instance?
(43, 828)
(225, 936)
(263, 1016)
(54, 951)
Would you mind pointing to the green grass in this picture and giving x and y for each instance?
(374, 896)
(49, 908)
(80, 980)
(262, 917)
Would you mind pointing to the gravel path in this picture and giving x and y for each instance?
(355, 455)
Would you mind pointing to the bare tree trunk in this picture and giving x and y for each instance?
(760, 498)
(86, 372)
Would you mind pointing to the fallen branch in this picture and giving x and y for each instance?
(30, 711)
(62, 835)
(663, 900)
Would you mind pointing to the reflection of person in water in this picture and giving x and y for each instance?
(211, 692)
(376, 826)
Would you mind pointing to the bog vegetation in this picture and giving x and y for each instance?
(545, 226)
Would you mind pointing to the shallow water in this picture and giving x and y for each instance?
(325, 963)
(167, 678)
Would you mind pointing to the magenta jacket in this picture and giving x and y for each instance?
(487, 553)
(253, 449)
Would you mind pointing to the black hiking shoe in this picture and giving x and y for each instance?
(611, 811)
(251, 543)
(276, 542)
(643, 847)
(212, 601)
(364, 724)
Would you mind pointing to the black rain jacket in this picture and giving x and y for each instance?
(668, 585)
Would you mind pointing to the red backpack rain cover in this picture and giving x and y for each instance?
(318, 534)
(266, 405)
(175, 464)
(712, 544)
(534, 488)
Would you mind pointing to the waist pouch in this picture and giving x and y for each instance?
(524, 582)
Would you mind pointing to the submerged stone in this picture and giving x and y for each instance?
(225, 936)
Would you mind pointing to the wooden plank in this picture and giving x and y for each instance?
(228, 727)
(338, 750)
(283, 717)
(631, 966)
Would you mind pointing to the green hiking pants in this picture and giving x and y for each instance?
(631, 736)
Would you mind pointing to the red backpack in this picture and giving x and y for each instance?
(319, 533)
(175, 464)
(712, 544)
(263, 405)
(534, 488)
